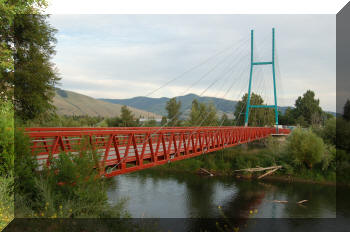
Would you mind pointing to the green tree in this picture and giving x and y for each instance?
(150, 123)
(35, 75)
(288, 118)
(127, 118)
(346, 114)
(195, 114)
(211, 118)
(8, 11)
(173, 109)
(6, 138)
(257, 117)
(308, 107)
(202, 114)
(164, 121)
(224, 121)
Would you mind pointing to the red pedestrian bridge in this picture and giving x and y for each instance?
(127, 149)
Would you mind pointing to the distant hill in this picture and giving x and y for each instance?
(157, 105)
(71, 103)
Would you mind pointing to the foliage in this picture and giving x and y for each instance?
(8, 12)
(308, 108)
(164, 121)
(346, 110)
(173, 109)
(6, 138)
(288, 118)
(305, 147)
(71, 187)
(55, 120)
(126, 119)
(6, 200)
(202, 114)
(327, 132)
(343, 134)
(343, 166)
(35, 75)
(224, 121)
(257, 117)
(150, 123)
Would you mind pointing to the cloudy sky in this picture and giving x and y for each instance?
(123, 56)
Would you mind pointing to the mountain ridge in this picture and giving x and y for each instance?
(72, 103)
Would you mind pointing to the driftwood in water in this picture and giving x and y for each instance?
(202, 170)
(258, 169)
(277, 201)
(302, 201)
(269, 172)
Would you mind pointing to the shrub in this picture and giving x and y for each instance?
(71, 187)
(6, 201)
(305, 147)
(6, 138)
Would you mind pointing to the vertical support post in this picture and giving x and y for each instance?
(250, 76)
(274, 78)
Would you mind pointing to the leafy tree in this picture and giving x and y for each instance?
(202, 114)
(211, 118)
(329, 131)
(164, 121)
(6, 138)
(288, 118)
(305, 147)
(34, 75)
(113, 122)
(257, 117)
(150, 123)
(346, 114)
(343, 134)
(8, 11)
(308, 107)
(173, 109)
(127, 118)
(224, 121)
(195, 114)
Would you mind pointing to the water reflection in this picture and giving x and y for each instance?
(157, 194)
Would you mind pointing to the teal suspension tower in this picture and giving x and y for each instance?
(252, 64)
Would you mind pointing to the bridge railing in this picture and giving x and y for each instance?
(126, 149)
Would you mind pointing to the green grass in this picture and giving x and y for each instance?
(6, 201)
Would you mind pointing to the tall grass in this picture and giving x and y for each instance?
(6, 163)
(6, 201)
(70, 188)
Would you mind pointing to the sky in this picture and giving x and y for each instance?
(124, 56)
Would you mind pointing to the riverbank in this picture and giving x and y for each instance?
(225, 162)
(273, 177)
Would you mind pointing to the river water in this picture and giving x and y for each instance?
(158, 194)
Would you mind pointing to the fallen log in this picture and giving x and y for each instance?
(206, 171)
(302, 201)
(269, 172)
(257, 169)
(277, 201)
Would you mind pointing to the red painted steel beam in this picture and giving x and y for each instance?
(127, 149)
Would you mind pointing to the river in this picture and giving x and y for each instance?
(158, 194)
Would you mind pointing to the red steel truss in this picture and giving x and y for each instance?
(127, 149)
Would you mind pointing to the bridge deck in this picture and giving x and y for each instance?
(133, 148)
